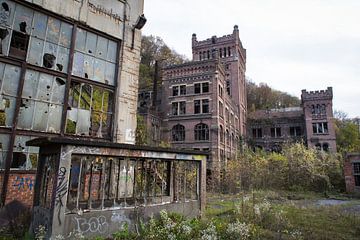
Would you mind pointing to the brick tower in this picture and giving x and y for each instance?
(320, 131)
(233, 57)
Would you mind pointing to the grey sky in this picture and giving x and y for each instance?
(291, 45)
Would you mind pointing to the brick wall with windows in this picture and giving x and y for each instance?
(352, 172)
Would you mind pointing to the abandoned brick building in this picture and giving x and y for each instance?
(311, 123)
(202, 103)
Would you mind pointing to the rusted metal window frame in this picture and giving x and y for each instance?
(152, 170)
(25, 66)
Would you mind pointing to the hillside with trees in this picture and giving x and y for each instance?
(261, 96)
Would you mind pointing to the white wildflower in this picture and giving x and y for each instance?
(209, 233)
(238, 230)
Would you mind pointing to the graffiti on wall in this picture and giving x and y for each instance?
(92, 225)
(61, 191)
(23, 183)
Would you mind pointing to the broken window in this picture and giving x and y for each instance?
(41, 102)
(24, 157)
(175, 90)
(105, 182)
(9, 81)
(325, 147)
(228, 87)
(178, 133)
(185, 181)
(221, 133)
(90, 110)
(4, 149)
(320, 128)
(201, 132)
(94, 57)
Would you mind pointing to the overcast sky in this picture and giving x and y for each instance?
(291, 44)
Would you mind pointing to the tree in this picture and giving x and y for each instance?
(154, 48)
(347, 133)
(262, 96)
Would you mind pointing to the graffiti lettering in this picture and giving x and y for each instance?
(120, 218)
(93, 225)
(61, 190)
(22, 183)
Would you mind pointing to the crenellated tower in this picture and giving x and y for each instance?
(233, 56)
(318, 111)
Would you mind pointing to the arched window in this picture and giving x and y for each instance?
(201, 132)
(318, 146)
(178, 133)
(221, 134)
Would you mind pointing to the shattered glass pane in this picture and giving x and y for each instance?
(90, 43)
(23, 19)
(7, 109)
(95, 124)
(101, 47)
(58, 91)
(30, 84)
(83, 122)
(54, 123)
(108, 101)
(39, 27)
(86, 96)
(99, 70)
(4, 148)
(34, 55)
(7, 13)
(78, 65)
(26, 114)
(53, 32)
(110, 73)
(5, 43)
(80, 40)
(45, 87)
(88, 67)
(111, 53)
(97, 99)
(49, 57)
(65, 34)
(24, 157)
(11, 80)
(62, 59)
(41, 116)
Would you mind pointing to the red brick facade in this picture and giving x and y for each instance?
(20, 186)
(352, 171)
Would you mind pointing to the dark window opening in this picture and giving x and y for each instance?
(320, 128)
(275, 132)
(197, 108)
(221, 134)
(183, 90)
(49, 60)
(325, 147)
(19, 45)
(175, 90)
(257, 133)
(197, 88)
(178, 133)
(201, 132)
(228, 87)
(205, 106)
(295, 131)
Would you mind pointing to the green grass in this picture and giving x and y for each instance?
(301, 213)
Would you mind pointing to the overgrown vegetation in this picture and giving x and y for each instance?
(261, 96)
(295, 168)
